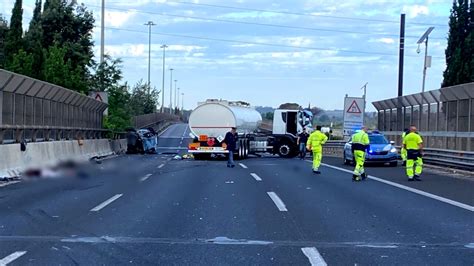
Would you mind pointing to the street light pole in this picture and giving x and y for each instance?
(182, 101)
(102, 32)
(424, 39)
(171, 91)
(149, 24)
(164, 46)
(175, 103)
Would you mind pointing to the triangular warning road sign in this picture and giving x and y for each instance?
(98, 97)
(354, 108)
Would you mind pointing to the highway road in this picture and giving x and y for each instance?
(153, 210)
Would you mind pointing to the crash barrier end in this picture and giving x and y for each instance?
(14, 161)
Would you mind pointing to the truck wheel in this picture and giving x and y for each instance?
(246, 148)
(240, 154)
(285, 150)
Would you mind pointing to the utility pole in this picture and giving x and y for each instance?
(102, 32)
(401, 59)
(182, 101)
(427, 61)
(149, 24)
(171, 91)
(177, 101)
(164, 46)
(365, 101)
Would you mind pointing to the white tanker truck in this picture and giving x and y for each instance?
(211, 120)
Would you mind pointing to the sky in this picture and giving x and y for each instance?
(271, 52)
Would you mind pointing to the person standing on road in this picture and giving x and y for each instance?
(314, 144)
(301, 142)
(360, 143)
(413, 143)
(231, 141)
(403, 151)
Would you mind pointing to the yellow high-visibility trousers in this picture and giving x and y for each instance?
(317, 157)
(414, 167)
(359, 159)
(403, 154)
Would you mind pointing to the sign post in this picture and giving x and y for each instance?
(353, 114)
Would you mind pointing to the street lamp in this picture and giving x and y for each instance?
(102, 32)
(175, 103)
(427, 63)
(149, 24)
(164, 46)
(171, 90)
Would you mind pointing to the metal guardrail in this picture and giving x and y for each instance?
(50, 133)
(449, 158)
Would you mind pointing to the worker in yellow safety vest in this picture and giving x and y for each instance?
(360, 143)
(413, 143)
(403, 151)
(314, 144)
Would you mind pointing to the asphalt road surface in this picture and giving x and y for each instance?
(152, 210)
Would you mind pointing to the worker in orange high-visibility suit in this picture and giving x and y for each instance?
(314, 144)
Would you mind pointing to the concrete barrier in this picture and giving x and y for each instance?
(40, 154)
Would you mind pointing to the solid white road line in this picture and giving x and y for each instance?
(8, 259)
(278, 202)
(243, 165)
(161, 166)
(414, 190)
(145, 177)
(256, 176)
(314, 257)
(9, 183)
(105, 203)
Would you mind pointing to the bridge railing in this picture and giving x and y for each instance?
(150, 120)
(35, 110)
(442, 157)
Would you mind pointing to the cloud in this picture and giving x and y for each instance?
(118, 18)
(414, 11)
(384, 40)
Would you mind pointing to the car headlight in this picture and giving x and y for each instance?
(393, 150)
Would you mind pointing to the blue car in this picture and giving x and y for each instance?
(380, 151)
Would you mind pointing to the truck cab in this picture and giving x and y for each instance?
(287, 124)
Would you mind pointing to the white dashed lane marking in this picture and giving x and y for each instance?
(105, 203)
(278, 202)
(243, 166)
(254, 175)
(10, 258)
(315, 259)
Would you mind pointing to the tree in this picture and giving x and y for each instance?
(3, 35)
(14, 41)
(61, 71)
(107, 74)
(70, 26)
(316, 111)
(33, 39)
(269, 116)
(459, 53)
(141, 101)
(119, 117)
(22, 63)
(324, 118)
